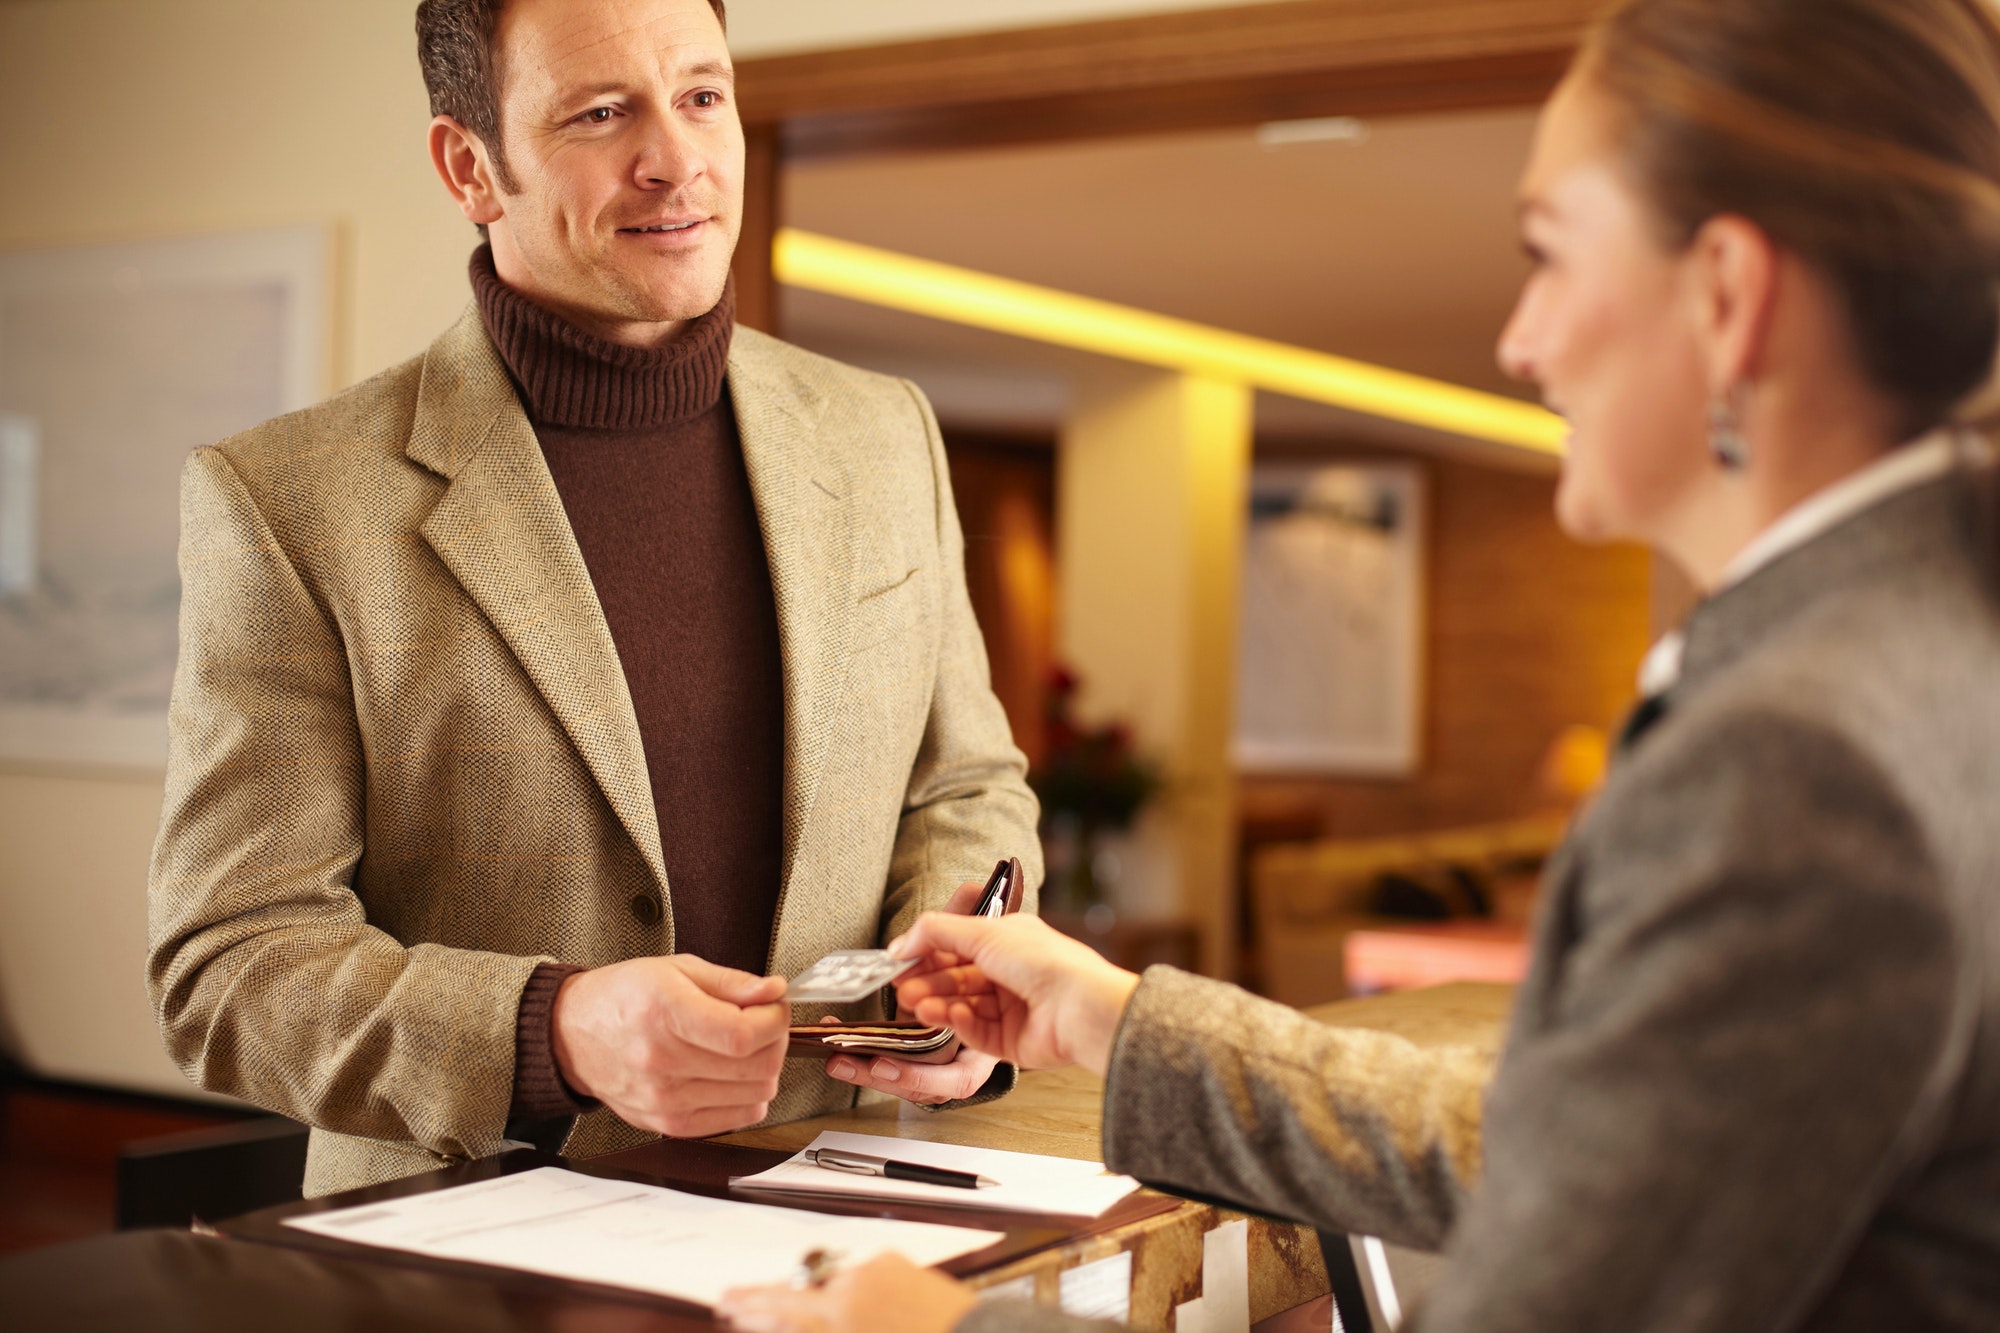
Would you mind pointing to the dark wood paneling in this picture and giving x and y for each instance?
(1162, 72)
(1005, 490)
(763, 206)
(1400, 90)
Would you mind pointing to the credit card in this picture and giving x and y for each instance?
(845, 975)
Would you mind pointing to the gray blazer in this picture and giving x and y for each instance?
(1753, 1077)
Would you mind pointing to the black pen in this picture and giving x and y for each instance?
(861, 1164)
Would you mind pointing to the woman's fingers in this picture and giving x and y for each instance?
(961, 979)
(775, 1310)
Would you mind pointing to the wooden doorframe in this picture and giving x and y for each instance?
(1199, 69)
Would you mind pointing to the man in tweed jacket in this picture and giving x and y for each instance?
(413, 845)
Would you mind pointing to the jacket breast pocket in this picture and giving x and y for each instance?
(888, 609)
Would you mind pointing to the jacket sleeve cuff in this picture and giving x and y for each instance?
(540, 1092)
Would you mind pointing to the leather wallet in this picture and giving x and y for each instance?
(904, 1040)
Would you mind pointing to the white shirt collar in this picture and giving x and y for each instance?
(1913, 465)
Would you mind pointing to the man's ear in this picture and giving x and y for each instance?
(467, 171)
(1733, 274)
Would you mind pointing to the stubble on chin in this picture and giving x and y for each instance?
(671, 298)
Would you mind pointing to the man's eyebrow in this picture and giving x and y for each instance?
(581, 91)
(707, 69)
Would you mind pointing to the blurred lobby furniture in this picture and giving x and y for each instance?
(1308, 898)
(1133, 944)
(203, 1175)
(1417, 954)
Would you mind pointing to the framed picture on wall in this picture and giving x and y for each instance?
(1330, 657)
(115, 361)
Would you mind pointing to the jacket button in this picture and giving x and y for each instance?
(646, 908)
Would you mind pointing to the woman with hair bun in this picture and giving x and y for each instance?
(1752, 1081)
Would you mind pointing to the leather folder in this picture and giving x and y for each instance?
(695, 1166)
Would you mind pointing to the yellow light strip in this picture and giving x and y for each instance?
(1043, 314)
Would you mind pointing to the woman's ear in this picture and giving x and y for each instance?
(467, 172)
(1733, 276)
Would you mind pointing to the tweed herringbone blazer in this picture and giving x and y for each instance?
(405, 767)
(1752, 1080)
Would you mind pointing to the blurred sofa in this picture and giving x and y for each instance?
(1308, 897)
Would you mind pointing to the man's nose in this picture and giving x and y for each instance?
(670, 156)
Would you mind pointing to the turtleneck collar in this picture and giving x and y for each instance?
(574, 379)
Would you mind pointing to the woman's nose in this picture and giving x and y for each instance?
(1514, 352)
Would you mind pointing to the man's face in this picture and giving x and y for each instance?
(620, 129)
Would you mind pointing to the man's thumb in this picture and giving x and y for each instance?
(737, 987)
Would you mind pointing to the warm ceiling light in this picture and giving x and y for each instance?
(1325, 129)
(1043, 314)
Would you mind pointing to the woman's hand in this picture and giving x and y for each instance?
(888, 1294)
(926, 1085)
(1015, 988)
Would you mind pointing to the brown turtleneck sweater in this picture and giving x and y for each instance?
(643, 447)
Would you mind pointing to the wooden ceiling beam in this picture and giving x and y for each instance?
(1189, 70)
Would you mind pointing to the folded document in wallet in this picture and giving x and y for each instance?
(918, 1042)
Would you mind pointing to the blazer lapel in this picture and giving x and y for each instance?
(802, 492)
(501, 530)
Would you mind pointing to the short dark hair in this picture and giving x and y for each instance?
(455, 50)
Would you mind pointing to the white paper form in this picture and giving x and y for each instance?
(622, 1234)
(1029, 1182)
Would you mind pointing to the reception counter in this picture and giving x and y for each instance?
(1060, 1113)
(258, 1273)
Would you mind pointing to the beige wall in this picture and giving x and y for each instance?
(73, 928)
(141, 118)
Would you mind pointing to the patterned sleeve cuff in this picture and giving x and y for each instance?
(540, 1092)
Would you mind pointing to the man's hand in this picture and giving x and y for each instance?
(926, 1085)
(675, 1045)
(1015, 988)
(888, 1294)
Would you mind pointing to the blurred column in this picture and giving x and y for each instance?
(1152, 487)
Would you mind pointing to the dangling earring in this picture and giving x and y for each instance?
(1725, 434)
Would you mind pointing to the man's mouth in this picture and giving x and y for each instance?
(663, 227)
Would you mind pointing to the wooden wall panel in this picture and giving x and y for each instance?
(1005, 489)
(1528, 633)
(763, 208)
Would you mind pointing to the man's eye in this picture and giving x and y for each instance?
(708, 99)
(597, 115)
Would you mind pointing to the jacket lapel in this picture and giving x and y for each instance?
(802, 492)
(501, 530)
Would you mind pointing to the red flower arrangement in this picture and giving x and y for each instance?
(1091, 780)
